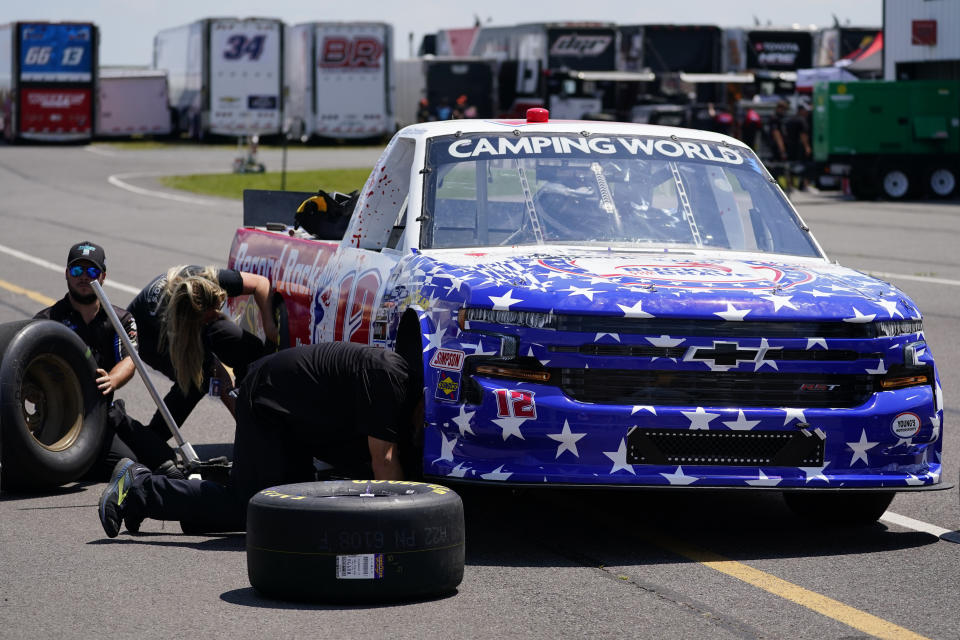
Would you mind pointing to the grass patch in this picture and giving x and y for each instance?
(231, 185)
(146, 143)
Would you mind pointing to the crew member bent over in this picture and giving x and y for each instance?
(184, 335)
(347, 404)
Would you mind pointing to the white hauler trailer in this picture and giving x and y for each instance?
(225, 75)
(132, 102)
(339, 79)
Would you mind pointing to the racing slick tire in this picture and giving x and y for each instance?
(355, 541)
(863, 184)
(854, 509)
(52, 415)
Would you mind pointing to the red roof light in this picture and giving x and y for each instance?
(537, 114)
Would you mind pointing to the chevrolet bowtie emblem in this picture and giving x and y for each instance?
(727, 354)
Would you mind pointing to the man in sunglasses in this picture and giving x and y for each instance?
(80, 311)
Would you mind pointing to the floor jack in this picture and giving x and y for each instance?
(217, 469)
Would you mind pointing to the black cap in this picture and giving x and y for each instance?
(87, 251)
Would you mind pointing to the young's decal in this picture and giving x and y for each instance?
(906, 425)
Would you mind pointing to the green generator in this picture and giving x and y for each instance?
(895, 139)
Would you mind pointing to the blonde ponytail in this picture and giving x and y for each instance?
(189, 298)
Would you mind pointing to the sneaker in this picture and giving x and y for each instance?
(169, 469)
(132, 523)
(111, 504)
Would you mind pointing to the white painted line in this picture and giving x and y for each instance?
(59, 268)
(901, 276)
(910, 523)
(100, 152)
(117, 180)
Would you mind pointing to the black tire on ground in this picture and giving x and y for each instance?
(941, 182)
(896, 183)
(52, 415)
(355, 541)
(863, 185)
(839, 508)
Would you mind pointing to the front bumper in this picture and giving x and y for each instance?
(558, 441)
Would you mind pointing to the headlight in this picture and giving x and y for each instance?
(902, 377)
(891, 328)
(530, 319)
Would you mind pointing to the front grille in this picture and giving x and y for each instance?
(801, 448)
(713, 328)
(715, 388)
(649, 351)
(631, 350)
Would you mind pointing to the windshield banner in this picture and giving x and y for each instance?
(495, 147)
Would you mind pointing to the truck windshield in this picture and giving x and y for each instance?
(624, 191)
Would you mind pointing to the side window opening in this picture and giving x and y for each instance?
(396, 233)
(383, 200)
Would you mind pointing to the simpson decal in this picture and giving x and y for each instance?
(447, 359)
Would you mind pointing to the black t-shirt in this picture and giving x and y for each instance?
(774, 123)
(150, 305)
(334, 392)
(105, 345)
(794, 127)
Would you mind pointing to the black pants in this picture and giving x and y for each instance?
(124, 437)
(223, 341)
(266, 453)
(112, 451)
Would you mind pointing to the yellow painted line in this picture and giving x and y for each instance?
(823, 605)
(33, 295)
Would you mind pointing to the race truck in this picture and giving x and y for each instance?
(617, 305)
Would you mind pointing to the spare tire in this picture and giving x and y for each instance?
(52, 415)
(355, 541)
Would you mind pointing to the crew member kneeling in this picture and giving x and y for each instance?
(346, 404)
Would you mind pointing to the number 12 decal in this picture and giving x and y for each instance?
(240, 45)
(514, 403)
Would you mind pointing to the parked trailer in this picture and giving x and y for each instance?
(528, 56)
(225, 75)
(132, 102)
(47, 80)
(836, 43)
(894, 139)
(338, 78)
(684, 59)
(445, 79)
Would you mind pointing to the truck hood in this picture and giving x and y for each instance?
(733, 287)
